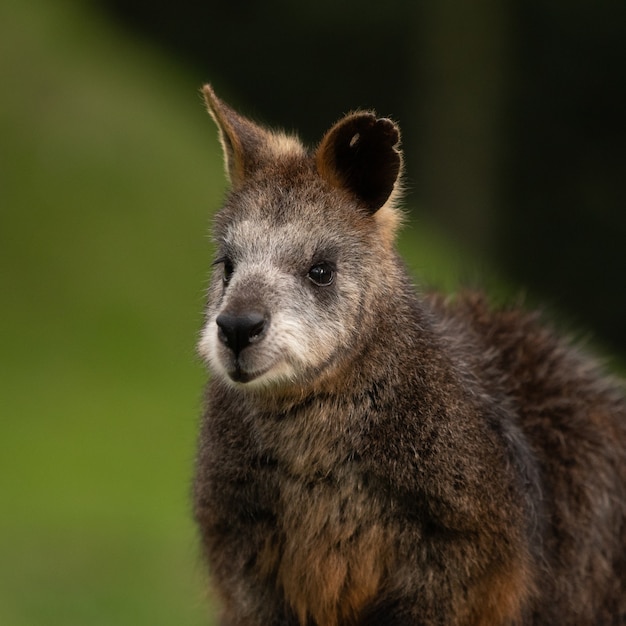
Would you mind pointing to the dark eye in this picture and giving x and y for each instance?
(227, 268)
(322, 274)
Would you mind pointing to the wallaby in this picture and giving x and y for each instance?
(370, 455)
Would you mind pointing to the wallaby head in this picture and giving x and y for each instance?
(304, 244)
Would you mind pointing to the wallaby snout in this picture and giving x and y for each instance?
(239, 330)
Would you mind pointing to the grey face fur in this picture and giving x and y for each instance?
(300, 244)
(273, 267)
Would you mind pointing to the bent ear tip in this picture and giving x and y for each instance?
(361, 154)
(390, 129)
(383, 128)
(381, 132)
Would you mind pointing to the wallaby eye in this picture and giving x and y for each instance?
(227, 268)
(322, 274)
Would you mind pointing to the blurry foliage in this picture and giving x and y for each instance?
(107, 170)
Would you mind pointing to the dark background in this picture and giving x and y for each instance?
(512, 113)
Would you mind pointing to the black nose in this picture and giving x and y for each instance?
(239, 330)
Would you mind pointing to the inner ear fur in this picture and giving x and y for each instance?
(360, 153)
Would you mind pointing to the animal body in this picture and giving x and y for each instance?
(372, 456)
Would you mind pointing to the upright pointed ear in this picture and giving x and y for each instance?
(243, 141)
(360, 153)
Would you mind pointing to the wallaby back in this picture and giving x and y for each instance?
(370, 456)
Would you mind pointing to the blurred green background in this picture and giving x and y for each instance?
(109, 171)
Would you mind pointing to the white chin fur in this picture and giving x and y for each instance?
(277, 370)
(207, 346)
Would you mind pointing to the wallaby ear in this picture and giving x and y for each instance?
(360, 154)
(242, 140)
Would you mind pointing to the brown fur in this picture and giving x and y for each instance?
(370, 456)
